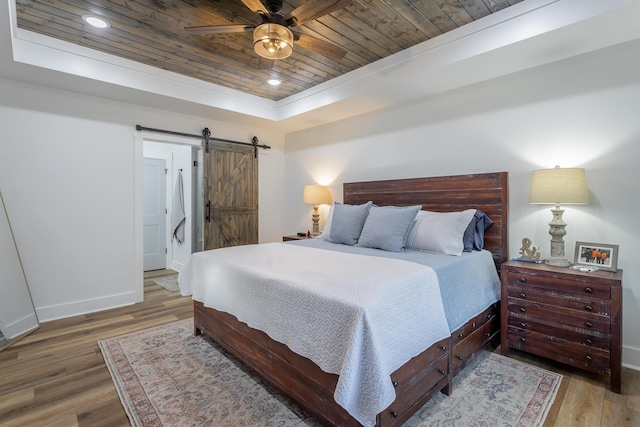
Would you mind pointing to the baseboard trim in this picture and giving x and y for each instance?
(631, 358)
(21, 326)
(76, 308)
(177, 266)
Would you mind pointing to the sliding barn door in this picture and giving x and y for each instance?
(231, 196)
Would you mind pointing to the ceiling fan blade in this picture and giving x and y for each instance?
(256, 6)
(321, 47)
(219, 29)
(313, 9)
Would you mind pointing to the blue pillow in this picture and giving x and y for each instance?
(347, 222)
(387, 227)
(474, 234)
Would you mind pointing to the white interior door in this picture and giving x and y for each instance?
(155, 214)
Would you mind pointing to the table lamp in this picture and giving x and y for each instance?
(556, 186)
(317, 195)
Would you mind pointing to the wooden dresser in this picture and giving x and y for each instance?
(562, 314)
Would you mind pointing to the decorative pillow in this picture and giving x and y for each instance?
(347, 222)
(326, 232)
(440, 232)
(387, 227)
(474, 234)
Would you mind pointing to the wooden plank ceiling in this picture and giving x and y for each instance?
(153, 32)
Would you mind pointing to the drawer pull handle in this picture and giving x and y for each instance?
(588, 341)
(522, 309)
(394, 414)
(460, 336)
(588, 290)
(522, 280)
(460, 357)
(523, 295)
(487, 334)
(589, 325)
(395, 383)
(588, 308)
(522, 324)
(523, 339)
(443, 373)
(443, 348)
(589, 357)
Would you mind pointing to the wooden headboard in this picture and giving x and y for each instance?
(488, 192)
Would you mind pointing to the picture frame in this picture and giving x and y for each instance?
(603, 256)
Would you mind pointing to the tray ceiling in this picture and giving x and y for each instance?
(152, 32)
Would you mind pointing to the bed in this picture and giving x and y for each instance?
(431, 369)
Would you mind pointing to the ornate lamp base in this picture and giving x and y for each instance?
(557, 232)
(315, 218)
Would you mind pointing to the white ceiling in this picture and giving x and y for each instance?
(525, 35)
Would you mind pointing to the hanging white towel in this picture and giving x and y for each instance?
(177, 212)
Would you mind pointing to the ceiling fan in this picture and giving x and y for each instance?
(273, 38)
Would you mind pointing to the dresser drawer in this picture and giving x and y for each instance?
(560, 317)
(590, 338)
(560, 286)
(564, 351)
(581, 302)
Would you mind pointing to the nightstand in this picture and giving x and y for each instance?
(295, 237)
(565, 315)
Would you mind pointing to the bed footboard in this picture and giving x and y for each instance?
(302, 380)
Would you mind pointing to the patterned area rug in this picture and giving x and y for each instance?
(165, 376)
(170, 283)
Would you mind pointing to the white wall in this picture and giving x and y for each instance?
(581, 112)
(68, 176)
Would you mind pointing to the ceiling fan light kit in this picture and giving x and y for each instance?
(273, 41)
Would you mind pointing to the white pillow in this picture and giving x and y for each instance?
(439, 232)
(326, 232)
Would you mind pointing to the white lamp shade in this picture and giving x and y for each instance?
(559, 185)
(316, 194)
(273, 41)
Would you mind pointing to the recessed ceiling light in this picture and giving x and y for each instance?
(274, 82)
(95, 21)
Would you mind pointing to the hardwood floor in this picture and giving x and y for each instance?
(57, 377)
(585, 400)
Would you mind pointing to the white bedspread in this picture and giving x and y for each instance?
(357, 316)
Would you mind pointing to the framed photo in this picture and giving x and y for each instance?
(599, 255)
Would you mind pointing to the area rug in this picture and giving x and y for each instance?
(170, 283)
(165, 376)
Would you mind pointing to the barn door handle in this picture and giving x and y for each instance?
(209, 211)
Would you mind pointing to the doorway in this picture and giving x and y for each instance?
(172, 164)
(232, 214)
